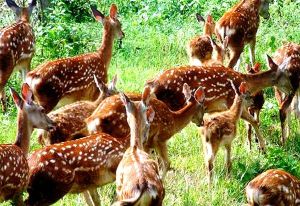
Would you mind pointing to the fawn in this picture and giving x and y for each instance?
(71, 79)
(138, 181)
(273, 187)
(69, 119)
(14, 172)
(17, 44)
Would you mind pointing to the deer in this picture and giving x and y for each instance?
(69, 119)
(14, 173)
(17, 46)
(111, 113)
(219, 129)
(258, 102)
(215, 81)
(240, 25)
(137, 178)
(273, 187)
(287, 100)
(70, 79)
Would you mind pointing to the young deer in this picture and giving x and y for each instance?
(138, 181)
(240, 25)
(14, 172)
(273, 187)
(258, 102)
(71, 79)
(111, 119)
(17, 44)
(220, 129)
(216, 84)
(69, 120)
(288, 50)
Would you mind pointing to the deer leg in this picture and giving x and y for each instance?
(95, 196)
(235, 54)
(162, 151)
(3, 100)
(249, 134)
(283, 113)
(87, 197)
(209, 154)
(18, 200)
(252, 51)
(228, 158)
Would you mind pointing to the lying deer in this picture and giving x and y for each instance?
(69, 120)
(273, 187)
(288, 50)
(220, 128)
(71, 79)
(240, 25)
(111, 119)
(137, 179)
(216, 84)
(17, 44)
(14, 172)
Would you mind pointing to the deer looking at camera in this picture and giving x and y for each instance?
(273, 187)
(138, 181)
(71, 79)
(220, 129)
(17, 44)
(240, 25)
(287, 100)
(14, 173)
(215, 82)
(166, 123)
(69, 119)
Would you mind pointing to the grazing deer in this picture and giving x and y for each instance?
(273, 187)
(17, 44)
(215, 81)
(137, 179)
(110, 118)
(219, 129)
(69, 120)
(288, 50)
(258, 102)
(14, 172)
(240, 25)
(71, 79)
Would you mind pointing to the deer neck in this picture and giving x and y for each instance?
(24, 132)
(236, 108)
(135, 137)
(100, 98)
(105, 50)
(259, 81)
(183, 116)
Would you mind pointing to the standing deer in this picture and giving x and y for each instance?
(240, 25)
(71, 79)
(220, 128)
(215, 81)
(111, 119)
(273, 187)
(69, 119)
(288, 50)
(17, 44)
(14, 172)
(137, 179)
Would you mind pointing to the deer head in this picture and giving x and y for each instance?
(21, 13)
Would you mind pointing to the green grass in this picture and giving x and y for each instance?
(155, 45)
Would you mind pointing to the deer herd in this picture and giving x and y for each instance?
(99, 135)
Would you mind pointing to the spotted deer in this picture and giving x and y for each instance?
(215, 81)
(76, 166)
(220, 128)
(240, 25)
(70, 79)
(258, 102)
(14, 172)
(288, 50)
(273, 187)
(110, 118)
(17, 44)
(69, 119)
(137, 178)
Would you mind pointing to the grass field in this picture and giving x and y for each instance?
(155, 40)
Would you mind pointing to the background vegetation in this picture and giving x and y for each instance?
(156, 35)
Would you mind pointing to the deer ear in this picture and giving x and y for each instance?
(248, 68)
(256, 67)
(99, 83)
(285, 63)
(243, 88)
(27, 93)
(17, 99)
(113, 11)
(146, 95)
(113, 82)
(97, 14)
(186, 90)
(199, 18)
(209, 19)
(199, 95)
(271, 63)
(32, 4)
(126, 101)
(150, 114)
(13, 6)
